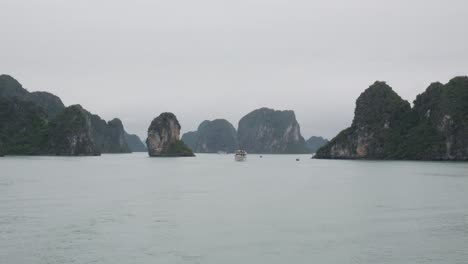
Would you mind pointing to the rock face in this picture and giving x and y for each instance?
(75, 132)
(70, 134)
(2, 150)
(212, 137)
(268, 131)
(134, 143)
(385, 127)
(163, 138)
(11, 88)
(314, 143)
(190, 139)
(51, 104)
(439, 128)
(376, 127)
(23, 127)
(36, 123)
(109, 136)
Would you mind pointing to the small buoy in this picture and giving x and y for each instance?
(297, 159)
(261, 156)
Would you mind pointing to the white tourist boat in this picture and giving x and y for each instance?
(241, 155)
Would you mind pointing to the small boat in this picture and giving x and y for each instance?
(240, 155)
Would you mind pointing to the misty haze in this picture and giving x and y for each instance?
(233, 131)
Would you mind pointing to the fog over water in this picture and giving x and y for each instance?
(221, 59)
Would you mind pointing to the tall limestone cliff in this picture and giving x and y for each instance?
(163, 138)
(134, 143)
(23, 127)
(440, 123)
(51, 104)
(314, 143)
(385, 126)
(268, 131)
(212, 137)
(11, 88)
(190, 139)
(30, 120)
(75, 132)
(377, 128)
(70, 134)
(109, 136)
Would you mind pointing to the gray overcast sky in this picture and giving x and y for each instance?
(210, 59)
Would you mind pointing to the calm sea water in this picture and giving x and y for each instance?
(210, 209)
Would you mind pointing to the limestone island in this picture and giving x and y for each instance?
(217, 136)
(38, 123)
(386, 127)
(163, 138)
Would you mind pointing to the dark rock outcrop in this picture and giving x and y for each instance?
(75, 132)
(11, 88)
(376, 128)
(71, 134)
(163, 138)
(51, 104)
(439, 128)
(268, 131)
(212, 137)
(190, 139)
(2, 150)
(134, 143)
(23, 127)
(30, 121)
(109, 136)
(314, 143)
(385, 127)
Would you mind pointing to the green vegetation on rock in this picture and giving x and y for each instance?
(10, 87)
(178, 148)
(109, 136)
(70, 133)
(51, 104)
(268, 131)
(23, 127)
(386, 127)
(212, 137)
(163, 138)
(38, 123)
